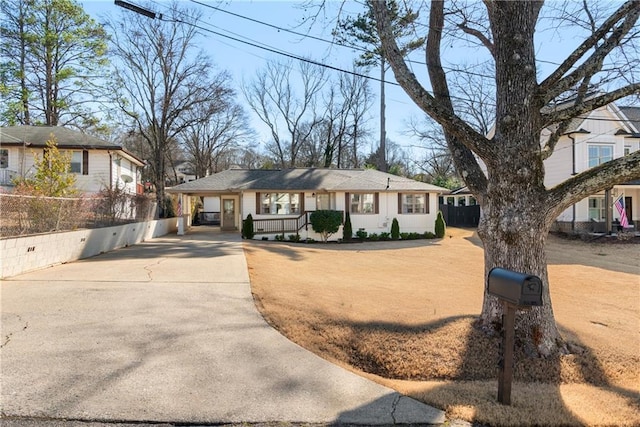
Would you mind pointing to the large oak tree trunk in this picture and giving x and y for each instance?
(514, 237)
(515, 218)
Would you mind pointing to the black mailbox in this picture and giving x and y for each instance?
(517, 288)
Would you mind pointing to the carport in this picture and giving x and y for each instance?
(220, 208)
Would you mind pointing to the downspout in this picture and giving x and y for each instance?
(110, 170)
(573, 173)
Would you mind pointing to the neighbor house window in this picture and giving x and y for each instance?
(4, 158)
(596, 208)
(279, 203)
(363, 203)
(627, 150)
(472, 201)
(462, 201)
(451, 201)
(413, 203)
(599, 154)
(79, 162)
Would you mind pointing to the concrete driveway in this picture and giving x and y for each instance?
(167, 331)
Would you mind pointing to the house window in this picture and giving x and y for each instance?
(414, 203)
(76, 162)
(279, 203)
(451, 201)
(472, 201)
(462, 201)
(627, 150)
(362, 203)
(4, 158)
(596, 208)
(599, 154)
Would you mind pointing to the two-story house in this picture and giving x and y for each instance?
(604, 134)
(98, 164)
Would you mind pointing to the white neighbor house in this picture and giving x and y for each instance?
(280, 200)
(97, 164)
(604, 134)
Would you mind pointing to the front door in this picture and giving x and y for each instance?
(628, 209)
(228, 214)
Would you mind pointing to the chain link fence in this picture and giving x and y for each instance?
(23, 215)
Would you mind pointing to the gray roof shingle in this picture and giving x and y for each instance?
(301, 179)
(37, 136)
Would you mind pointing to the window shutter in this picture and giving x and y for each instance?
(426, 202)
(376, 202)
(258, 205)
(85, 162)
(347, 202)
(399, 203)
(301, 197)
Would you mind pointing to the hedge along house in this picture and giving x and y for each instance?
(97, 164)
(280, 201)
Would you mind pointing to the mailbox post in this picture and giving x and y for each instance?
(516, 291)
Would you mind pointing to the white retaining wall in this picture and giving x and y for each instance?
(21, 254)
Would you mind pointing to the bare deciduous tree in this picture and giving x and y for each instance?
(205, 141)
(273, 98)
(161, 79)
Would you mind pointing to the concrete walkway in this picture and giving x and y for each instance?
(167, 331)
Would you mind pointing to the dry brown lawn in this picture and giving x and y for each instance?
(402, 314)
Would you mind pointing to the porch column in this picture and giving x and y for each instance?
(608, 210)
(181, 220)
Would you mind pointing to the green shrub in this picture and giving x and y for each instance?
(404, 236)
(326, 222)
(280, 237)
(247, 228)
(374, 237)
(429, 235)
(414, 236)
(265, 237)
(385, 236)
(347, 230)
(294, 238)
(441, 227)
(361, 234)
(395, 229)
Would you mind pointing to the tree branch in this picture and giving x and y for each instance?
(408, 81)
(477, 34)
(462, 156)
(606, 175)
(559, 115)
(555, 84)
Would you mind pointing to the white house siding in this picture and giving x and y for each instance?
(559, 166)
(211, 204)
(98, 175)
(22, 163)
(371, 223)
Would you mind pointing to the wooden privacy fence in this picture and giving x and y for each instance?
(461, 216)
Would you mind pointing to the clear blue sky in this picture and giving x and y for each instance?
(242, 61)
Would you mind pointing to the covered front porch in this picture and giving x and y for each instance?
(224, 211)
